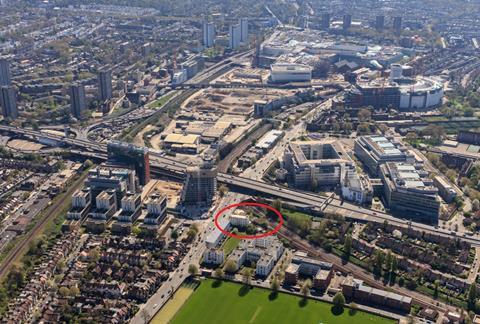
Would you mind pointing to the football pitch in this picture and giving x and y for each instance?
(214, 303)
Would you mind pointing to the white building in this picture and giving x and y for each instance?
(235, 36)
(179, 77)
(213, 256)
(239, 220)
(265, 265)
(288, 72)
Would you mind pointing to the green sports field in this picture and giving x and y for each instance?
(234, 304)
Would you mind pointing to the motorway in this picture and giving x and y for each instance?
(160, 162)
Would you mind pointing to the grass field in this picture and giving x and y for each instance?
(173, 305)
(227, 302)
(230, 244)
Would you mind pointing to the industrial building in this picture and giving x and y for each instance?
(179, 143)
(373, 150)
(409, 192)
(286, 72)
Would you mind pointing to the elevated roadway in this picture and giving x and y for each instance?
(164, 165)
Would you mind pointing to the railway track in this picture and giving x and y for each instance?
(51, 213)
(354, 269)
(224, 164)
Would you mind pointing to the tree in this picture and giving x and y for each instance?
(475, 205)
(305, 289)
(339, 300)
(321, 68)
(364, 115)
(15, 277)
(275, 285)
(192, 270)
(247, 276)
(435, 289)
(230, 266)
(347, 246)
(218, 273)
(191, 233)
(277, 204)
(117, 264)
(74, 291)
(64, 291)
(382, 128)
(223, 189)
(472, 296)
(174, 235)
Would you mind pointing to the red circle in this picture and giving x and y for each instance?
(230, 234)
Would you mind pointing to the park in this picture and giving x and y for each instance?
(216, 301)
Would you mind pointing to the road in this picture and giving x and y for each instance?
(175, 280)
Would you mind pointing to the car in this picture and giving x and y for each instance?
(155, 305)
(162, 295)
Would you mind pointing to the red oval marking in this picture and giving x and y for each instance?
(228, 233)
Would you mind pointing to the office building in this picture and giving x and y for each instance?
(109, 178)
(77, 100)
(131, 156)
(375, 150)
(235, 34)
(208, 33)
(379, 22)
(105, 85)
(409, 192)
(347, 21)
(243, 29)
(445, 188)
(397, 24)
(200, 184)
(326, 20)
(313, 164)
(288, 72)
(5, 76)
(8, 102)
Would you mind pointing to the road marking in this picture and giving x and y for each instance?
(255, 314)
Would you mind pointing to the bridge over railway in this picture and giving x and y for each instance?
(167, 166)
